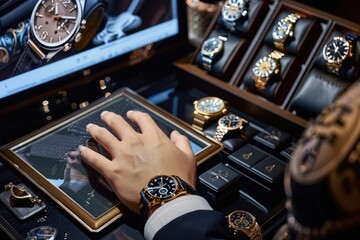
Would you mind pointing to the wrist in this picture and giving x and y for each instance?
(160, 190)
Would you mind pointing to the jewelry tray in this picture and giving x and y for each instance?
(41, 157)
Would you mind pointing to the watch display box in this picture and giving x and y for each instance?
(94, 205)
(286, 108)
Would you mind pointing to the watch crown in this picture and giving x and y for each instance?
(67, 47)
(83, 24)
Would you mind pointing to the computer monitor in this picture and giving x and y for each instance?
(128, 34)
(124, 27)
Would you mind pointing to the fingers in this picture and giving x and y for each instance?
(117, 124)
(103, 137)
(144, 121)
(182, 143)
(96, 160)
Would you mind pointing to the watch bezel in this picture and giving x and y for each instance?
(239, 228)
(239, 126)
(282, 37)
(272, 71)
(327, 45)
(216, 51)
(241, 10)
(198, 102)
(169, 194)
(70, 37)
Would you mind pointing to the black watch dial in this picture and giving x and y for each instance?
(241, 220)
(212, 46)
(230, 122)
(336, 50)
(161, 187)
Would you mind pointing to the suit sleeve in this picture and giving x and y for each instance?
(201, 224)
(187, 217)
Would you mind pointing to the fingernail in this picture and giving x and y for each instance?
(103, 113)
(89, 126)
(81, 147)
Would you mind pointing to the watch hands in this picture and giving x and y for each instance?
(65, 17)
(56, 8)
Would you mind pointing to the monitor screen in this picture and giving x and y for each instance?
(43, 42)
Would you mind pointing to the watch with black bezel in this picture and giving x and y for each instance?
(233, 11)
(243, 222)
(284, 30)
(337, 51)
(59, 25)
(228, 123)
(211, 50)
(266, 68)
(207, 109)
(162, 189)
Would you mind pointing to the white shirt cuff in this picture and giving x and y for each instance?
(172, 210)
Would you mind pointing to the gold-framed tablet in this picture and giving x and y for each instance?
(49, 159)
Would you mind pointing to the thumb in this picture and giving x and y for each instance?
(182, 142)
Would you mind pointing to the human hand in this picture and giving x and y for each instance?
(137, 157)
(74, 170)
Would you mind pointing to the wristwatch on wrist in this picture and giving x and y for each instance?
(211, 50)
(266, 68)
(242, 222)
(226, 124)
(57, 25)
(337, 51)
(284, 29)
(232, 11)
(208, 109)
(162, 189)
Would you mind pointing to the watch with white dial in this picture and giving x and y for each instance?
(284, 30)
(337, 51)
(232, 11)
(266, 68)
(207, 109)
(162, 189)
(58, 25)
(243, 222)
(226, 124)
(211, 50)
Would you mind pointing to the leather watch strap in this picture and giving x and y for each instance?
(28, 60)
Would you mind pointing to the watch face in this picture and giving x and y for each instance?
(230, 122)
(232, 10)
(281, 30)
(210, 105)
(241, 219)
(54, 22)
(265, 67)
(212, 47)
(336, 50)
(161, 187)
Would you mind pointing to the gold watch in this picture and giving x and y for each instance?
(162, 189)
(226, 124)
(208, 109)
(284, 29)
(265, 68)
(337, 51)
(243, 222)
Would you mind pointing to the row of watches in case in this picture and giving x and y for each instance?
(210, 109)
(336, 52)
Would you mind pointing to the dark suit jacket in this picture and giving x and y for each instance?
(201, 224)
